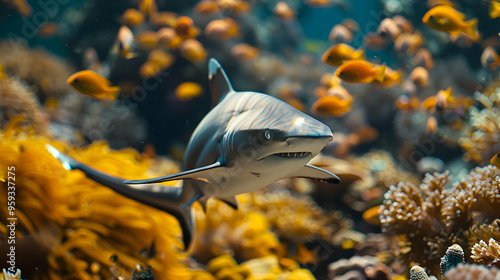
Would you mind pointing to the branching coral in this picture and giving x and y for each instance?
(93, 228)
(427, 220)
(483, 140)
(486, 253)
(16, 99)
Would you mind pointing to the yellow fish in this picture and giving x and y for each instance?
(494, 9)
(124, 41)
(447, 19)
(2, 72)
(339, 53)
(490, 59)
(495, 160)
(334, 106)
(188, 90)
(359, 71)
(132, 17)
(391, 78)
(92, 84)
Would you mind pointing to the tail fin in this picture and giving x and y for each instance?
(359, 54)
(379, 73)
(114, 91)
(471, 29)
(173, 200)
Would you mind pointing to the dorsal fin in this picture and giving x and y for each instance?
(219, 83)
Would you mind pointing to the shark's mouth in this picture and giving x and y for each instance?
(294, 155)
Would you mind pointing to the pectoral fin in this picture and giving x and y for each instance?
(316, 173)
(202, 173)
(231, 201)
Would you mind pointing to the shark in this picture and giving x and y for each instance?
(247, 141)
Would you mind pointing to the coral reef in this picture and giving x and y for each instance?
(17, 99)
(431, 217)
(486, 253)
(298, 218)
(86, 228)
(483, 139)
(472, 271)
(48, 74)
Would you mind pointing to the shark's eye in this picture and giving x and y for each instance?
(268, 134)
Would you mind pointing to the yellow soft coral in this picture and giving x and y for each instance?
(95, 228)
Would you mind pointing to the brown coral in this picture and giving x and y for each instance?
(483, 140)
(429, 219)
(17, 100)
(48, 74)
(487, 253)
(472, 271)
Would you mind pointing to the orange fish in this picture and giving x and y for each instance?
(340, 34)
(318, 3)
(406, 103)
(423, 58)
(494, 9)
(374, 41)
(431, 125)
(339, 53)
(359, 71)
(490, 59)
(47, 29)
(167, 37)
(132, 17)
(185, 28)
(447, 19)
(193, 50)
(188, 90)
(244, 52)
(329, 80)
(391, 77)
(2, 72)
(333, 106)
(409, 42)
(163, 19)
(495, 160)
(351, 24)
(404, 25)
(158, 61)
(440, 101)
(207, 8)
(222, 29)
(388, 28)
(124, 42)
(371, 215)
(146, 40)
(419, 76)
(92, 84)
(148, 7)
(234, 7)
(283, 11)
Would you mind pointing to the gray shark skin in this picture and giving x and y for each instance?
(246, 142)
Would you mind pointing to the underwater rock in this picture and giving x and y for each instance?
(453, 257)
